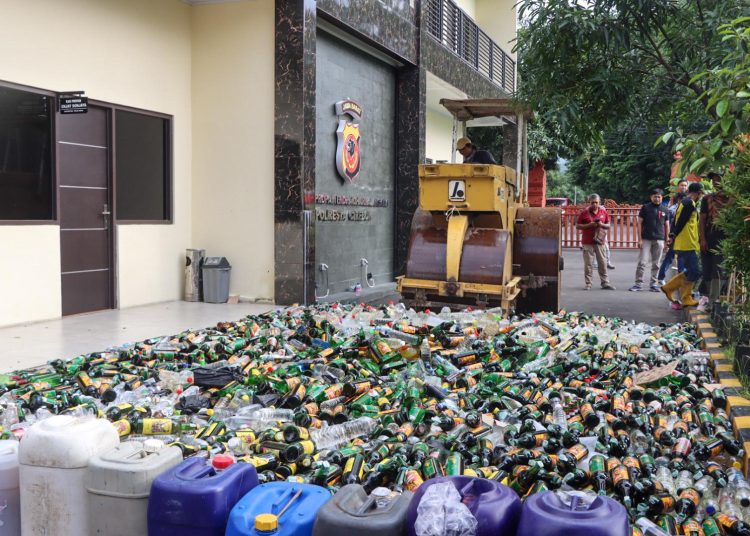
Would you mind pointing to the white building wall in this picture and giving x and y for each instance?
(130, 52)
(29, 273)
(498, 18)
(438, 136)
(233, 144)
(468, 6)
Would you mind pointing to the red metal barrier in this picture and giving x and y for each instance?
(624, 233)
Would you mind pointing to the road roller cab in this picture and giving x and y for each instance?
(474, 241)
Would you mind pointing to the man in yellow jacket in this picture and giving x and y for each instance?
(684, 238)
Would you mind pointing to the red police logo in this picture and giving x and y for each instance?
(348, 151)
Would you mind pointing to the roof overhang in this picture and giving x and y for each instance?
(487, 112)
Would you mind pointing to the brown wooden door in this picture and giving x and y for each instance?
(84, 156)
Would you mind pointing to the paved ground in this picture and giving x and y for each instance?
(641, 306)
(28, 345)
(32, 344)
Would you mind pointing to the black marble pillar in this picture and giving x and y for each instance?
(294, 151)
(411, 122)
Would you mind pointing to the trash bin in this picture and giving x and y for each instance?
(216, 279)
(193, 259)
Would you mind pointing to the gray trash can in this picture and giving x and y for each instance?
(216, 279)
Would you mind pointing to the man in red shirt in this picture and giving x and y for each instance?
(593, 223)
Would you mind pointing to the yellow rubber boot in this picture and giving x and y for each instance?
(672, 285)
(686, 295)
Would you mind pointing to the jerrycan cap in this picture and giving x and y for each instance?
(222, 461)
(266, 522)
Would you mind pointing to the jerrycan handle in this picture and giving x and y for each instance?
(195, 470)
(365, 506)
(289, 502)
(370, 502)
(466, 489)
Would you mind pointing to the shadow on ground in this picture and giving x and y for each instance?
(643, 306)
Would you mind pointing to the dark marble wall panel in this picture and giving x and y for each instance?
(392, 26)
(447, 66)
(411, 121)
(294, 149)
(388, 24)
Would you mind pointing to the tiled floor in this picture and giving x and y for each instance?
(33, 344)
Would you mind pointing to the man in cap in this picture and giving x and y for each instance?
(685, 240)
(471, 154)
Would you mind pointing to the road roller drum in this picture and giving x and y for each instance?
(474, 242)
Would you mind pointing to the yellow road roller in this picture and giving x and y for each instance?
(474, 240)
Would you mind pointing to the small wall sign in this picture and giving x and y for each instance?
(74, 102)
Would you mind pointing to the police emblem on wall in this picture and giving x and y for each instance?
(348, 150)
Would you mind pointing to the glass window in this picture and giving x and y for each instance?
(26, 185)
(142, 167)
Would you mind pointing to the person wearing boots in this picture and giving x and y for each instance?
(711, 237)
(685, 240)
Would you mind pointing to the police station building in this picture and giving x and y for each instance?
(284, 135)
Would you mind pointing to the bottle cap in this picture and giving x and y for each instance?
(266, 522)
(222, 461)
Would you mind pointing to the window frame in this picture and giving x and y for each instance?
(168, 162)
(54, 183)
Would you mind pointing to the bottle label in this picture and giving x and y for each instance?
(619, 474)
(308, 447)
(123, 427)
(690, 527)
(691, 495)
(413, 480)
(578, 451)
(157, 426)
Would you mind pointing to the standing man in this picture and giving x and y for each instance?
(686, 244)
(711, 237)
(654, 219)
(471, 154)
(674, 202)
(593, 222)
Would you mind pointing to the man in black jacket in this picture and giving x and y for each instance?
(654, 220)
(471, 154)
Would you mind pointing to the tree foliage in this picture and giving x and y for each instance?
(625, 168)
(589, 65)
(725, 143)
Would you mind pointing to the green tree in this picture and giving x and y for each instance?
(560, 184)
(725, 143)
(625, 167)
(589, 65)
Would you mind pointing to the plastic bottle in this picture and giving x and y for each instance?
(558, 414)
(727, 505)
(424, 350)
(664, 475)
(259, 419)
(340, 434)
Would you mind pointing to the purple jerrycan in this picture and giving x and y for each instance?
(496, 507)
(546, 514)
(195, 497)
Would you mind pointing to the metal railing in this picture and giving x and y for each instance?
(456, 31)
(624, 232)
